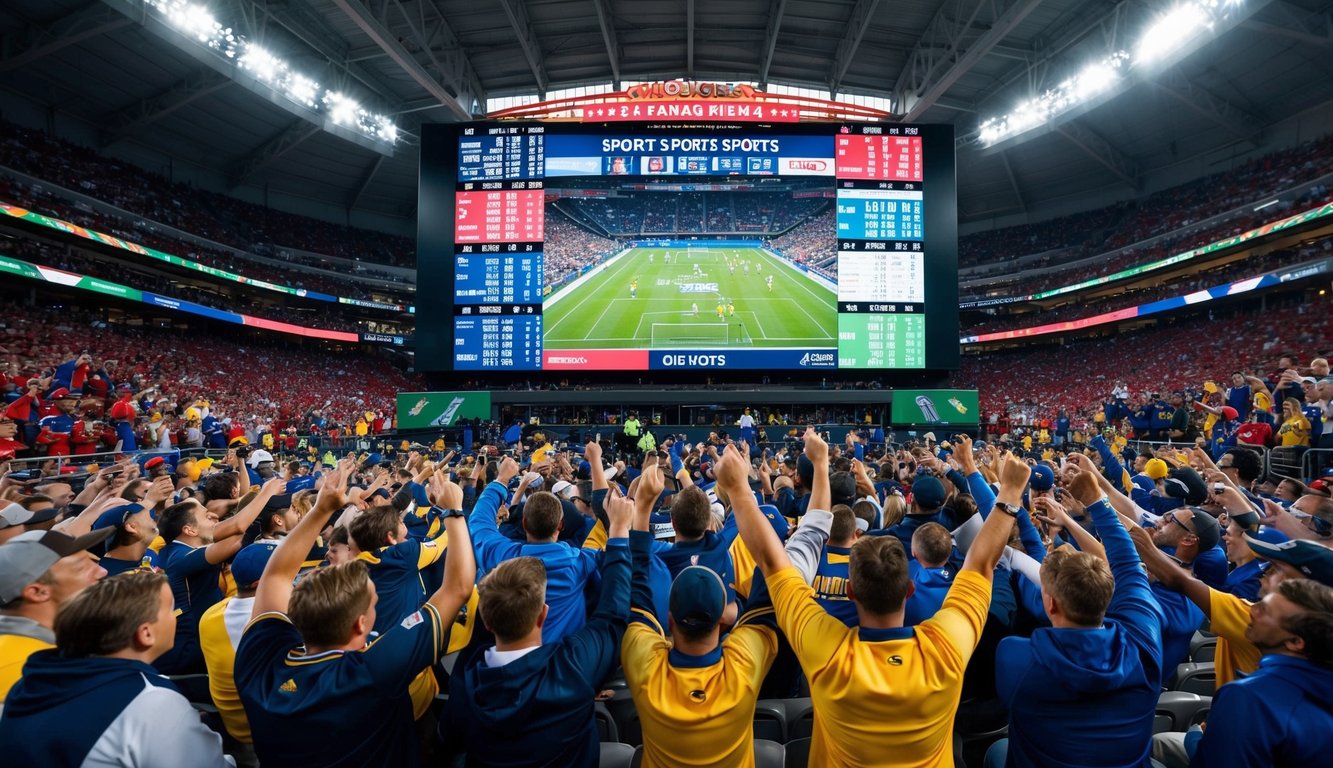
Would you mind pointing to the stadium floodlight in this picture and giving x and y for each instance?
(1166, 35)
(198, 22)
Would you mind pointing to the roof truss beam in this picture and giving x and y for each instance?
(123, 123)
(607, 22)
(851, 40)
(1288, 21)
(776, 9)
(367, 176)
(1240, 123)
(460, 90)
(527, 40)
(1013, 182)
(1101, 150)
(271, 151)
(689, 38)
(25, 46)
(962, 33)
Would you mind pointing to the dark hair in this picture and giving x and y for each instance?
(339, 535)
(843, 527)
(371, 529)
(878, 574)
(1247, 463)
(1314, 625)
(27, 502)
(221, 485)
(865, 510)
(542, 515)
(510, 598)
(175, 517)
(326, 603)
(690, 513)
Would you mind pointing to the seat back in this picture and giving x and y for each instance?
(769, 754)
(615, 755)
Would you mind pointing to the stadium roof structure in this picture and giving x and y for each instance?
(143, 76)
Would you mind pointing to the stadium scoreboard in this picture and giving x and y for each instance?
(874, 270)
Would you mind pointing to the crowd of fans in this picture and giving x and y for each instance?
(1123, 224)
(812, 243)
(899, 602)
(569, 248)
(1082, 307)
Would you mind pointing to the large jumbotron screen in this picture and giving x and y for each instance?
(614, 247)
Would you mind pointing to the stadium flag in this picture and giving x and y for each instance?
(934, 406)
(420, 410)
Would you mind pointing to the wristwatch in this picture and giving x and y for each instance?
(443, 513)
(1008, 509)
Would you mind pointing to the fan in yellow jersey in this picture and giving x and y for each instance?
(695, 695)
(881, 691)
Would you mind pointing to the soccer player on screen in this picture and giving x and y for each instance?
(694, 309)
(731, 309)
(720, 310)
(769, 280)
(634, 288)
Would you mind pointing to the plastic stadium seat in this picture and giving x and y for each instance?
(1160, 724)
(800, 718)
(193, 687)
(1203, 646)
(626, 718)
(615, 755)
(798, 753)
(770, 720)
(1198, 678)
(1182, 707)
(769, 754)
(638, 757)
(606, 724)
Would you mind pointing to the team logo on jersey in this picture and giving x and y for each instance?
(288, 687)
(694, 559)
(896, 660)
(413, 620)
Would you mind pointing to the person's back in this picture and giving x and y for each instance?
(395, 561)
(930, 571)
(220, 631)
(94, 700)
(1083, 692)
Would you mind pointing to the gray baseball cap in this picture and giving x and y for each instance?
(24, 558)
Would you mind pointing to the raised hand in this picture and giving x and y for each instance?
(445, 493)
(816, 449)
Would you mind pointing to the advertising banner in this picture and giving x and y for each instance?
(420, 410)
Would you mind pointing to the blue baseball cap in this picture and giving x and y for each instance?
(928, 492)
(775, 519)
(1043, 478)
(698, 598)
(250, 562)
(1313, 560)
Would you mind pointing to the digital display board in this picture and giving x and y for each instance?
(605, 246)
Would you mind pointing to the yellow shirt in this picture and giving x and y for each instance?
(888, 694)
(220, 658)
(1228, 616)
(699, 710)
(1295, 431)
(742, 567)
(14, 653)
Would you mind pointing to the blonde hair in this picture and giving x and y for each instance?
(895, 507)
(1081, 582)
(326, 603)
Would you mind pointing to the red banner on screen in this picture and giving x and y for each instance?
(595, 359)
(500, 216)
(879, 158)
(681, 110)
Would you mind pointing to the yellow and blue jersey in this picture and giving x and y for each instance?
(882, 692)
(830, 584)
(337, 708)
(396, 571)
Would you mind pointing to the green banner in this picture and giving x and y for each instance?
(420, 410)
(934, 406)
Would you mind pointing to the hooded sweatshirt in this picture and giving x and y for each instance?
(537, 710)
(1279, 717)
(101, 712)
(1086, 697)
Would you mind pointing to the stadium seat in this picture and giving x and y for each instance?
(1200, 678)
(606, 724)
(800, 718)
(194, 688)
(770, 720)
(769, 754)
(638, 757)
(626, 718)
(798, 753)
(615, 755)
(1182, 707)
(1160, 723)
(1203, 646)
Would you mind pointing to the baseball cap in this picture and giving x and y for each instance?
(929, 437)
(1312, 559)
(24, 558)
(1229, 413)
(775, 519)
(1185, 483)
(698, 598)
(1205, 528)
(261, 456)
(13, 515)
(1156, 469)
(116, 516)
(249, 563)
(198, 467)
(1309, 380)
(561, 487)
(928, 492)
(1043, 478)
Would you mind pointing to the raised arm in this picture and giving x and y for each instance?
(275, 586)
(247, 514)
(816, 450)
(460, 563)
(755, 531)
(984, 554)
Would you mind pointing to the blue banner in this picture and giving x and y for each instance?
(192, 308)
(749, 359)
(686, 155)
